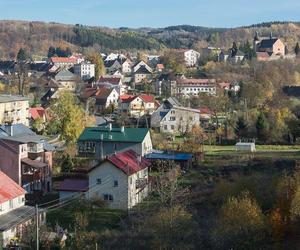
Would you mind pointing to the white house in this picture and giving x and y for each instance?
(14, 109)
(114, 82)
(190, 86)
(172, 117)
(121, 180)
(85, 70)
(14, 215)
(191, 57)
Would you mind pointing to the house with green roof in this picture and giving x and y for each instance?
(99, 142)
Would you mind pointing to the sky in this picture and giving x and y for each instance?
(152, 13)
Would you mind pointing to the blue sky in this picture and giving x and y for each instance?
(152, 13)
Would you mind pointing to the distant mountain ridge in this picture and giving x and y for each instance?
(37, 36)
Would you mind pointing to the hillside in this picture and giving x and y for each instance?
(38, 36)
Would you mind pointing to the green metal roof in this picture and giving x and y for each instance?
(115, 135)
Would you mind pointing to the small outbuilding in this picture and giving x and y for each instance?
(245, 146)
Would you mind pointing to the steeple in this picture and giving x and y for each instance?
(271, 35)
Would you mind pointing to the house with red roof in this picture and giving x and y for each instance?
(13, 212)
(38, 113)
(139, 105)
(121, 180)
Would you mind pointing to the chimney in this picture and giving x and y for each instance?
(101, 137)
(110, 137)
(110, 127)
(122, 129)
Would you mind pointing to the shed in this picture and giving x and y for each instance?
(245, 146)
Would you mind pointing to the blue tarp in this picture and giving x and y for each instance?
(169, 156)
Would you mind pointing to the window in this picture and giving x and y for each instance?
(116, 183)
(172, 118)
(166, 127)
(98, 181)
(172, 127)
(108, 197)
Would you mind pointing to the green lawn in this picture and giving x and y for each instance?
(98, 219)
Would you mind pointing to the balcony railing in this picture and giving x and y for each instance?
(36, 148)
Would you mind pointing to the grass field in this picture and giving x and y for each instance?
(98, 219)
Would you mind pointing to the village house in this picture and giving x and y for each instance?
(86, 70)
(172, 117)
(121, 180)
(137, 106)
(98, 142)
(28, 158)
(188, 56)
(112, 66)
(67, 80)
(190, 86)
(112, 82)
(140, 64)
(103, 97)
(165, 84)
(14, 215)
(142, 74)
(14, 109)
(63, 62)
(231, 57)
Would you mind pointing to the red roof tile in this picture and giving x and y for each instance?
(129, 162)
(147, 98)
(38, 112)
(9, 189)
(111, 80)
(127, 98)
(63, 60)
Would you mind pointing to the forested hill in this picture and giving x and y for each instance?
(37, 37)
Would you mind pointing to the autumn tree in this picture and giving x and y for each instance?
(67, 116)
(240, 224)
(96, 59)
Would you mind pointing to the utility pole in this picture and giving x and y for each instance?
(37, 226)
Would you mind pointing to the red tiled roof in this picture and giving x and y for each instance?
(9, 189)
(80, 185)
(111, 80)
(103, 93)
(147, 98)
(224, 85)
(63, 60)
(38, 112)
(128, 161)
(160, 66)
(88, 92)
(127, 98)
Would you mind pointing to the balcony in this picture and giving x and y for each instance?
(141, 183)
(35, 148)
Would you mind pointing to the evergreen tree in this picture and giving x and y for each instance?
(297, 49)
(261, 127)
(241, 127)
(22, 55)
(51, 52)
